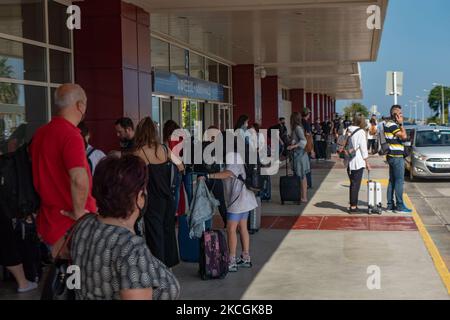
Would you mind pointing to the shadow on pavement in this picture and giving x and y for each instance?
(330, 205)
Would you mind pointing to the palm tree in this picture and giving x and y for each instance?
(9, 92)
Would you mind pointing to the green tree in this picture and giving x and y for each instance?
(435, 98)
(356, 108)
(9, 92)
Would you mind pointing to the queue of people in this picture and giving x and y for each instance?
(123, 206)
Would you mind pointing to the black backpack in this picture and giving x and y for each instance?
(18, 198)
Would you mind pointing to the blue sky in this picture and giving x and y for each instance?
(416, 40)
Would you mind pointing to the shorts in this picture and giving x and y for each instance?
(237, 217)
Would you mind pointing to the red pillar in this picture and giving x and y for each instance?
(297, 99)
(269, 101)
(244, 93)
(316, 107)
(112, 63)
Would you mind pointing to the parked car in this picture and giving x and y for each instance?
(428, 152)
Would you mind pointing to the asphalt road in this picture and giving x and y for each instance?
(432, 201)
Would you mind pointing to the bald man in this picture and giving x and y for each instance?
(61, 173)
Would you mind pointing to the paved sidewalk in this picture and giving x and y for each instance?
(318, 251)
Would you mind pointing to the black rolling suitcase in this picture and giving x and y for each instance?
(290, 186)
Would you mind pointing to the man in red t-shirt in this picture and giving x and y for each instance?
(61, 172)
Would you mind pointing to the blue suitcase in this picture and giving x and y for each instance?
(189, 248)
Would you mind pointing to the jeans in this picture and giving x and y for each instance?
(355, 185)
(396, 181)
(372, 146)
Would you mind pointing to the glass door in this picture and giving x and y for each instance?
(192, 114)
(225, 118)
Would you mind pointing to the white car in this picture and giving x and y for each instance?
(428, 153)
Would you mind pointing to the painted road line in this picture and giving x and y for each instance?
(439, 263)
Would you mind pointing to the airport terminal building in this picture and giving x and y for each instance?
(198, 62)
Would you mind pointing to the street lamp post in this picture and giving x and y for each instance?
(413, 105)
(423, 111)
(422, 99)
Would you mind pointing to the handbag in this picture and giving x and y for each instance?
(55, 284)
(309, 143)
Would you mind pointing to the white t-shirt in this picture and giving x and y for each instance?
(95, 157)
(359, 141)
(238, 198)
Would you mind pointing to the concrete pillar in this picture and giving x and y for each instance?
(112, 63)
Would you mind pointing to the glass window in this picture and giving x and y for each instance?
(155, 109)
(22, 61)
(57, 17)
(226, 94)
(160, 54)
(23, 18)
(177, 60)
(212, 70)
(23, 109)
(197, 66)
(60, 67)
(224, 75)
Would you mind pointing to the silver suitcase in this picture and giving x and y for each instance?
(375, 197)
(254, 219)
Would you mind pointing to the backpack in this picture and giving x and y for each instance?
(373, 130)
(18, 198)
(349, 151)
(252, 179)
(383, 145)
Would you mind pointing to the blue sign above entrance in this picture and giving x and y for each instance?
(182, 86)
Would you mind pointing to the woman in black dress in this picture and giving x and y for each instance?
(159, 218)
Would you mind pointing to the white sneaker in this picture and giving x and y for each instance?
(31, 286)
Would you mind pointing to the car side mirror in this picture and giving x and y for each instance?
(408, 144)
